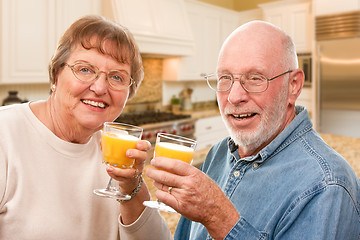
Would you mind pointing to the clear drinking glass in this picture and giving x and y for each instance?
(172, 146)
(116, 139)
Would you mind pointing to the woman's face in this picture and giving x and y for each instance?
(86, 106)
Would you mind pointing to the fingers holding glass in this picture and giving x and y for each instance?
(117, 139)
(174, 147)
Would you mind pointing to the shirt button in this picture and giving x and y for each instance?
(255, 165)
(236, 173)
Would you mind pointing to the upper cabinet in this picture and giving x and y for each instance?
(210, 26)
(29, 34)
(294, 17)
(325, 7)
(158, 26)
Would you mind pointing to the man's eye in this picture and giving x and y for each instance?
(224, 78)
(256, 79)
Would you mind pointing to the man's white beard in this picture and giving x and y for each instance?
(272, 119)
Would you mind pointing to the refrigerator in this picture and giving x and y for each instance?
(339, 75)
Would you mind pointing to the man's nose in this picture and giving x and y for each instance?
(237, 92)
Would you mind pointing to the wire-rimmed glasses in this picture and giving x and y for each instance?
(251, 82)
(85, 72)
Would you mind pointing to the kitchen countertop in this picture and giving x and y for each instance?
(348, 147)
(203, 113)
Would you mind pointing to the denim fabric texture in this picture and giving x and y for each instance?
(297, 187)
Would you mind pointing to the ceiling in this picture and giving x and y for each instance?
(237, 5)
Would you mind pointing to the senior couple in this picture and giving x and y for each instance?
(272, 178)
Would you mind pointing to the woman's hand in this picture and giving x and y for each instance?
(193, 194)
(129, 178)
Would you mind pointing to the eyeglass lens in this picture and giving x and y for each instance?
(252, 82)
(87, 73)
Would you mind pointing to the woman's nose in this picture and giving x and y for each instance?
(100, 85)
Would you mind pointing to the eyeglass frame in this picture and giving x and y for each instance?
(242, 74)
(98, 72)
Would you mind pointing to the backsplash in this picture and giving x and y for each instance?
(26, 91)
(151, 87)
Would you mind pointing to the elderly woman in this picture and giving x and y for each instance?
(50, 158)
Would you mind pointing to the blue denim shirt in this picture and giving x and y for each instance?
(297, 187)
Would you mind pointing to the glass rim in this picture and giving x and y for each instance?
(177, 137)
(124, 125)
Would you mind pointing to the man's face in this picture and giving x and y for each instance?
(253, 119)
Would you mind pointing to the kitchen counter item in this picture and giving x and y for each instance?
(185, 96)
(12, 98)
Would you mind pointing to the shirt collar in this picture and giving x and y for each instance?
(297, 127)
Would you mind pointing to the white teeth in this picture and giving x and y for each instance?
(94, 104)
(243, 115)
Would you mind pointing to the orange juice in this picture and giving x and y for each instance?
(114, 147)
(176, 151)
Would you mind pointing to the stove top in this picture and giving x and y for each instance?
(150, 117)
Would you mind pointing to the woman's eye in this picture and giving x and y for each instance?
(117, 78)
(85, 70)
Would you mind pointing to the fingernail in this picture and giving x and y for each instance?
(109, 168)
(129, 153)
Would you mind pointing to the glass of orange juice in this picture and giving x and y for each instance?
(116, 139)
(176, 147)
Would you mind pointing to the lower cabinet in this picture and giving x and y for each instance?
(209, 131)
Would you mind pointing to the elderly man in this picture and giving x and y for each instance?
(274, 177)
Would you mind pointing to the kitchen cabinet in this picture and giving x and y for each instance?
(325, 7)
(158, 26)
(210, 26)
(29, 34)
(294, 17)
(209, 131)
(305, 98)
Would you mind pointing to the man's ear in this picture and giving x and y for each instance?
(296, 83)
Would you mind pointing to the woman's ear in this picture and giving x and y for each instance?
(296, 82)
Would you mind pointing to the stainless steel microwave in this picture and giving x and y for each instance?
(305, 64)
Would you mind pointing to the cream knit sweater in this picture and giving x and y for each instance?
(46, 186)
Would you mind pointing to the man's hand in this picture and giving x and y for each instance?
(193, 194)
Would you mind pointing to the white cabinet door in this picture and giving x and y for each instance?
(27, 41)
(210, 26)
(68, 11)
(205, 25)
(294, 18)
(209, 131)
(30, 31)
(325, 7)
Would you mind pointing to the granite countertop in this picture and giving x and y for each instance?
(348, 147)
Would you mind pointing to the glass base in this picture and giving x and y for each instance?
(159, 205)
(111, 194)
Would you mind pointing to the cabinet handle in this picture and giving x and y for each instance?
(208, 128)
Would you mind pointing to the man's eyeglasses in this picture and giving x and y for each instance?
(251, 82)
(85, 72)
